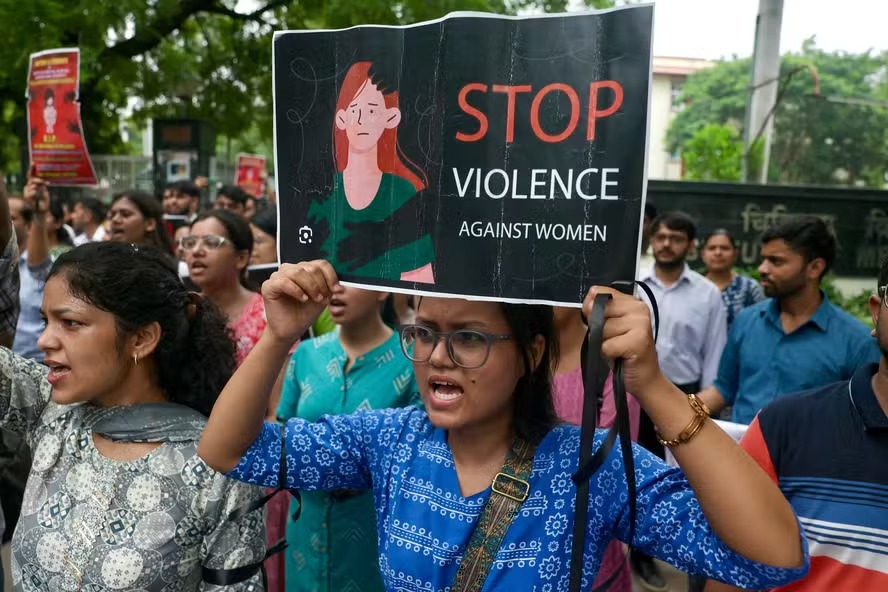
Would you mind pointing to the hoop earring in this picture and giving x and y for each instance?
(136, 359)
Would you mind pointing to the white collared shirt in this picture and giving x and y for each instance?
(693, 326)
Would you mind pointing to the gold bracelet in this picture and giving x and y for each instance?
(701, 414)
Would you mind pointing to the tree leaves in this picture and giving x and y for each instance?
(816, 140)
(149, 58)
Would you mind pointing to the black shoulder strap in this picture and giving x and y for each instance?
(228, 577)
(595, 370)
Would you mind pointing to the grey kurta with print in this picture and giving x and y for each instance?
(91, 523)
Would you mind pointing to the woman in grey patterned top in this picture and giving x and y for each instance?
(117, 498)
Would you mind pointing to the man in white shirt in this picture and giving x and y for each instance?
(87, 216)
(693, 331)
(693, 322)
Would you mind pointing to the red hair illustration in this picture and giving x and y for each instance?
(390, 158)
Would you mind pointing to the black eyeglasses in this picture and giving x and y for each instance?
(467, 348)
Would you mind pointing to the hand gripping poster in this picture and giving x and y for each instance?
(250, 174)
(490, 157)
(55, 133)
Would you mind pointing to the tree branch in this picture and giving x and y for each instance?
(256, 15)
(150, 36)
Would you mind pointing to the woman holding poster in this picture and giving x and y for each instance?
(488, 438)
(373, 180)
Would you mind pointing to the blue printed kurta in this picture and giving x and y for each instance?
(333, 544)
(424, 523)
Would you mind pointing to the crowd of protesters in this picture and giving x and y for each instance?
(129, 325)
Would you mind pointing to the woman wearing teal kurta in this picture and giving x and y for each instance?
(333, 545)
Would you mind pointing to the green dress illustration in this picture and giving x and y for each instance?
(333, 545)
(335, 211)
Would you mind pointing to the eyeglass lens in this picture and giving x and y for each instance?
(468, 349)
(210, 241)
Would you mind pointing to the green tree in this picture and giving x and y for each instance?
(817, 140)
(714, 153)
(169, 57)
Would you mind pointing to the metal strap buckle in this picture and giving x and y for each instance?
(511, 482)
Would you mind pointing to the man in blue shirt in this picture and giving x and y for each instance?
(796, 339)
(34, 265)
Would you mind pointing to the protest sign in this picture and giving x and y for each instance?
(55, 133)
(250, 174)
(490, 157)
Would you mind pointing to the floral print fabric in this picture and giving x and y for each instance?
(424, 523)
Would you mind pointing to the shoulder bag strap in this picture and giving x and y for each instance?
(510, 488)
(595, 370)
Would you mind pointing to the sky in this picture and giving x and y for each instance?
(714, 29)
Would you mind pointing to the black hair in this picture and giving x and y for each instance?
(151, 209)
(809, 236)
(27, 210)
(238, 231)
(57, 210)
(186, 187)
(140, 285)
(266, 221)
(49, 94)
(93, 205)
(678, 221)
(650, 210)
(234, 193)
(388, 313)
(720, 232)
(534, 414)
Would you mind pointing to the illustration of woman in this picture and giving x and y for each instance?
(49, 111)
(371, 214)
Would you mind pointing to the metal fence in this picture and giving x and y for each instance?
(118, 173)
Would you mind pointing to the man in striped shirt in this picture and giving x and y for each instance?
(826, 449)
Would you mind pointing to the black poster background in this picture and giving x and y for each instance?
(430, 64)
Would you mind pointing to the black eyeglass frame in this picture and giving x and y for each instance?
(447, 336)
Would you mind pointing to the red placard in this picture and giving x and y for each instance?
(250, 175)
(56, 144)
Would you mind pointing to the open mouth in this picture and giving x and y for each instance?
(57, 372)
(197, 266)
(444, 389)
(337, 307)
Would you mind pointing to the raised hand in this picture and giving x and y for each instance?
(295, 296)
(628, 335)
(36, 193)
